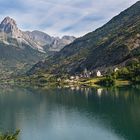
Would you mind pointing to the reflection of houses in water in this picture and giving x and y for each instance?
(99, 92)
(87, 91)
(77, 88)
(72, 88)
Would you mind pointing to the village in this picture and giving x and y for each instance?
(86, 75)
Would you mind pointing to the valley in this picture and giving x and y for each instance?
(69, 70)
(20, 50)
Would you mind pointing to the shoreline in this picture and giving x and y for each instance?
(92, 82)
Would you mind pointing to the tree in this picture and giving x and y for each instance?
(9, 136)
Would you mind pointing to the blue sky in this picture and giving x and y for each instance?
(62, 17)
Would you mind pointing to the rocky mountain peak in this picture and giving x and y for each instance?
(66, 37)
(9, 26)
(8, 20)
(35, 39)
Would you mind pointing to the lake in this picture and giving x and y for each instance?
(71, 113)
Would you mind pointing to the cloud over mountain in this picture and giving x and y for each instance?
(59, 17)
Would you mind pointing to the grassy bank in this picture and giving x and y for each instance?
(9, 136)
(95, 82)
(123, 76)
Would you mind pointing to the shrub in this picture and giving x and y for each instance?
(9, 136)
(107, 81)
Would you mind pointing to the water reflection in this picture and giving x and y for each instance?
(71, 113)
(99, 92)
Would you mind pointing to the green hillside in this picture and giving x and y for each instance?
(114, 44)
(14, 60)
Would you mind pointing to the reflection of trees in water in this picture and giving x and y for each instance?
(5, 88)
(13, 102)
(116, 108)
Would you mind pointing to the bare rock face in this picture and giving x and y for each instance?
(48, 42)
(11, 35)
(9, 26)
(40, 38)
(19, 50)
(59, 43)
(37, 40)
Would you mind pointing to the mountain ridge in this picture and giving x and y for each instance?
(20, 50)
(113, 44)
(35, 39)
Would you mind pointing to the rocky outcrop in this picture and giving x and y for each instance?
(36, 39)
(9, 26)
(59, 43)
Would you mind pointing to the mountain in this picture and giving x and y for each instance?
(36, 40)
(10, 34)
(115, 44)
(40, 38)
(59, 43)
(19, 50)
(9, 27)
(48, 43)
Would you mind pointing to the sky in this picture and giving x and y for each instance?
(62, 17)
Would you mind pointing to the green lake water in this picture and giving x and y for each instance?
(71, 114)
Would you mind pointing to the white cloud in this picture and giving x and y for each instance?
(59, 17)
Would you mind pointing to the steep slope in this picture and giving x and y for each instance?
(16, 53)
(37, 40)
(9, 27)
(59, 43)
(10, 32)
(116, 43)
(19, 50)
(14, 60)
(48, 43)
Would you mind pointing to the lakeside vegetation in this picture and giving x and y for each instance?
(129, 74)
(123, 76)
(9, 136)
(114, 44)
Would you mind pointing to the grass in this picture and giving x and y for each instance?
(92, 82)
(48, 80)
(121, 82)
